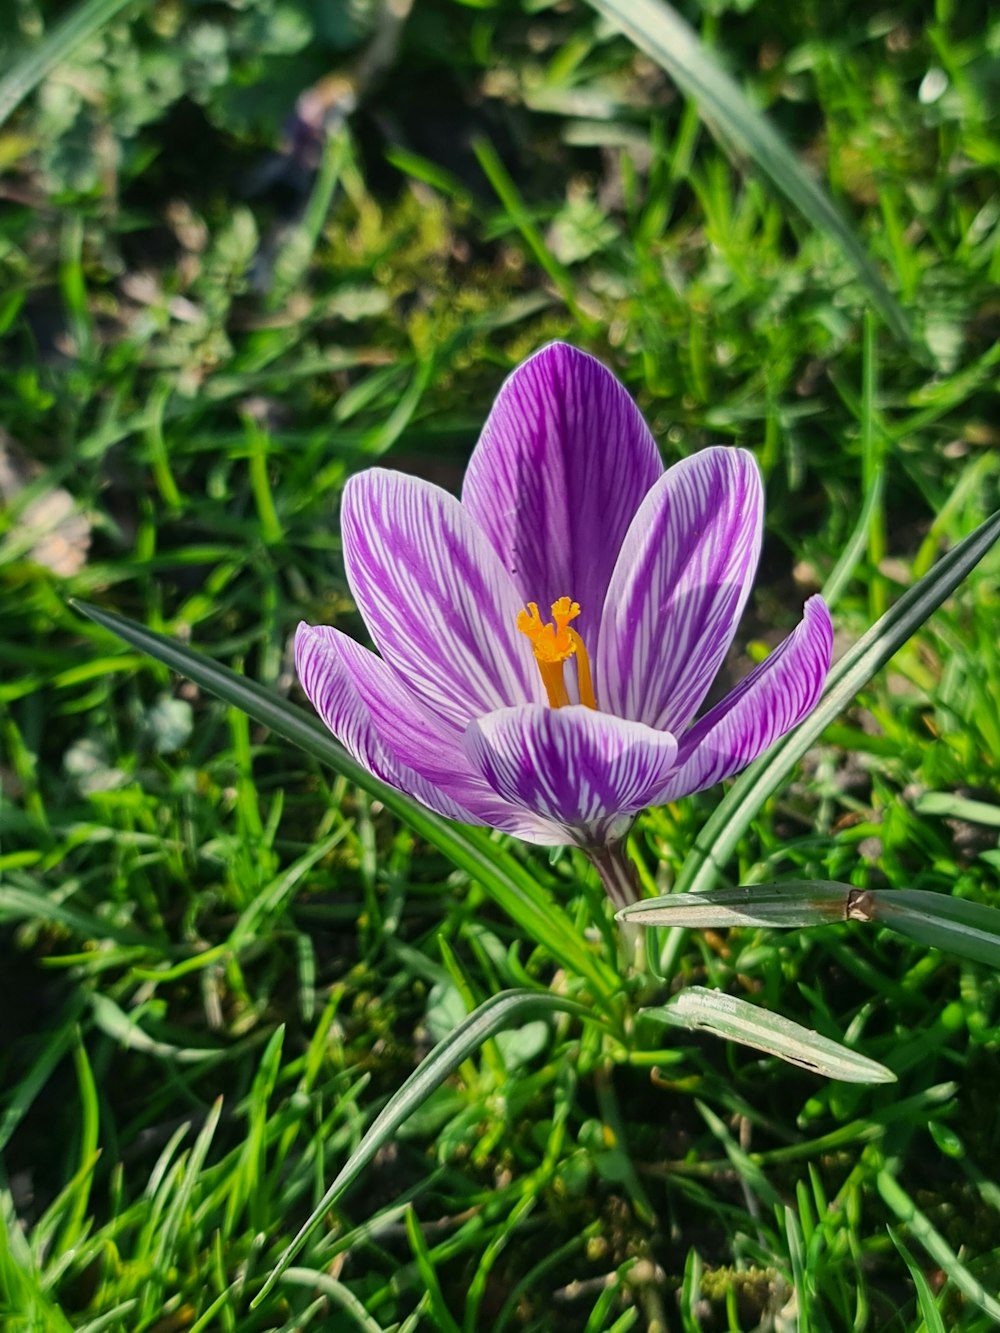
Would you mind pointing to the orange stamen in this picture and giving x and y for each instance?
(553, 643)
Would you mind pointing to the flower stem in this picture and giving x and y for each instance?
(618, 874)
(621, 883)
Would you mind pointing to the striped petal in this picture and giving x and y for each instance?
(386, 728)
(679, 588)
(332, 693)
(560, 469)
(775, 697)
(587, 771)
(435, 596)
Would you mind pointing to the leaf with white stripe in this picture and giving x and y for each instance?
(498, 1014)
(774, 906)
(726, 1016)
(955, 925)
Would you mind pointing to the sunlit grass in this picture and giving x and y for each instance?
(194, 910)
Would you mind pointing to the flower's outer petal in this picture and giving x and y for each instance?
(679, 588)
(560, 469)
(396, 737)
(775, 697)
(332, 693)
(434, 596)
(574, 766)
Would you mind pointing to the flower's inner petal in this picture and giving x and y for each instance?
(775, 697)
(559, 471)
(434, 596)
(679, 588)
(583, 769)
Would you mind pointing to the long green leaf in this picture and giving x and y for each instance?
(732, 817)
(779, 906)
(507, 882)
(76, 28)
(970, 930)
(23, 904)
(495, 1015)
(656, 28)
(955, 925)
(734, 1019)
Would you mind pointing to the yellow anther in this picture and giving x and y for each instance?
(553, 642)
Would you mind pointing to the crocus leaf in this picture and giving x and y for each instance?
(734, 1019)
(970, 930)
(656, 28)
(496, 1014)
(798, 903)
(509, 884)
(729, 821)
(955, 925)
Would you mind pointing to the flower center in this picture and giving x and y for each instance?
(553, 642)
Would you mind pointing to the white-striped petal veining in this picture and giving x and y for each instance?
(560, 469)
(679, 588)
(565, 497)
(585, 770)
(333, 694)
(398, 739)
(435, 596)
(420, 740)
(774, 698)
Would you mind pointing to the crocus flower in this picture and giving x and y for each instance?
(546, 642)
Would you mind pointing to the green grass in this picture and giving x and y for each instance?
(222, 958)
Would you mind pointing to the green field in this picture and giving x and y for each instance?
(223, 954)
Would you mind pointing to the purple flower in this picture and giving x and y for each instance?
(557, 726)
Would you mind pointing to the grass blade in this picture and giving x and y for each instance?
(929, 1312)
(508, 883)
(733, 1019)
(731, 818)
(495, 1015)
(338, 1293)
(656, 28)
(76, 28)
(934, 1243)
(949, 806)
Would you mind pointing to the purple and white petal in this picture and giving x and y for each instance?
(585, 770)
(560, 469)
(395, 736)
(332, 693)
(679, 588)
(435, 596)
(416, 737)
(775, 697)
